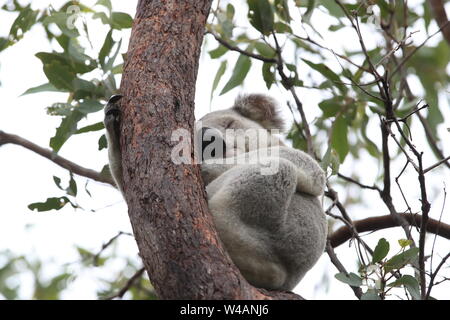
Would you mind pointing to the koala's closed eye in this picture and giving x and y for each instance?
(230, 124)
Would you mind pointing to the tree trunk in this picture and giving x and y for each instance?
(167, 205)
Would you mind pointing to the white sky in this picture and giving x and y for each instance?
(26, 177)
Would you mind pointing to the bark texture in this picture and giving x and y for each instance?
(167, 205)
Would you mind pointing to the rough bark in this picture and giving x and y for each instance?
(167, 205)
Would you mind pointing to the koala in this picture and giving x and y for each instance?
(271, 223)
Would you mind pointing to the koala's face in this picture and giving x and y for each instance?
(242, 128)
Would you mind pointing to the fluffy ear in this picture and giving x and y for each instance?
(259, 108)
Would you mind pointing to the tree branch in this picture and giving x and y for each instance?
(344, 233)
(437, 6)
(237, 49)
(50, 155)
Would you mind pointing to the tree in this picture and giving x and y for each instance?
(364, 87)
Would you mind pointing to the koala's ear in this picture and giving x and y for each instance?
(259, 108)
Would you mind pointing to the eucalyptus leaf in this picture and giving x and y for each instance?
(240, 71)
(351, 279)
(381, 250)
(400, 260)
(261, 15)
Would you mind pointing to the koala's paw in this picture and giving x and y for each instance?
(312, 183)
(112, 114)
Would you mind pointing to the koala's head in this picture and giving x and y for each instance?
(244, 127)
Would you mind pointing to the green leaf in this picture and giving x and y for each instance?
(240, 71)
(218, 52)
(230, 12)
(103, 18)
(60, 109)
(327, 73)
(219, 74)
(106, 48)
(404, 243)
(339, 137)
(309, 11)
(282, 10)
(59, 75)
(371, 294)
(89, 106)
(93, 127)
(110, 63)
(84, 89)
(61, 19)
(102, 143)
(81, 62)
(105, 3)
(57, 182)
(351, 279)
(330, 107)
(330, 159)
(410, 283)
(268, 74)
(381, 250)
(400, 260)
(72, 189)
(67, 127)
(121, 20)
(49, 204)
(24, 21)
(41, 88)
(265, 50)
(280, 27)
(261, 15)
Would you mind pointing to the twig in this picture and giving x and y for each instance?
(49, 154)
(334, 259)
(107, 244)
(237, 49)
(436, 165)
(348, 179)
(433, 276)
(410, 54)
(287, 83)
(434, 241)
(128, 285)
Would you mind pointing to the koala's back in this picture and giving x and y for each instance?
(304, 234)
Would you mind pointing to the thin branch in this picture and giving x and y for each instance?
(423, 226)
(287, 83)
(107, 244)
(308, 39)
(435, 273)
(434, 244)
(412, 52)
(334, 259)
(436, 164)
(348, 179)
(237, 49)
(49, 154)
(128, 285)
(344, 233)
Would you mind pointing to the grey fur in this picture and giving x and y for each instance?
(273, 226)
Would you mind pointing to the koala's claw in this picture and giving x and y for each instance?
(112, 115)
(112, 108)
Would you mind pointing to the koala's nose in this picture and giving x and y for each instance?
(212, 143)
